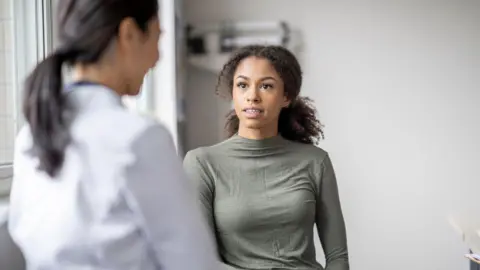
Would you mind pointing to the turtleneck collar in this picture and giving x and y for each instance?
(261, 144)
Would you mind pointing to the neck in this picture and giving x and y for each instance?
(100, 74)
(257, 134)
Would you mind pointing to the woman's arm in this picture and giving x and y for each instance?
(204, 184)
(159, 191)
(330, 222)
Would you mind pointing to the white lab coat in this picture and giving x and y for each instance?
(121, 200)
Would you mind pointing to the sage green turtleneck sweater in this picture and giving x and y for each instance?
(262, 198)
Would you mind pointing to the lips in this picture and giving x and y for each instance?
(253, 113)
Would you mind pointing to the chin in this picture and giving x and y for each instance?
(134, 90)
(254, 124)
(257, 123)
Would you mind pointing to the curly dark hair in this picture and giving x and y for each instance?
(298, 122)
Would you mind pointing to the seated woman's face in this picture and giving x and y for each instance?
(258, 94)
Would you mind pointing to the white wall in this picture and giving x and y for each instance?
(396, 84)
(204, 110)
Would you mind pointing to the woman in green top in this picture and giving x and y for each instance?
(263, 189)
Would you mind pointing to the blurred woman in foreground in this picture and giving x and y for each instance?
(95, 186)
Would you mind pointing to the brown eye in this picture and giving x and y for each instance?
(266, 86)
(242, 85)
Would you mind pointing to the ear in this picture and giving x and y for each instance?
(286, 102)
(127, 32)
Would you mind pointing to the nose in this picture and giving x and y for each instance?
(252, 95)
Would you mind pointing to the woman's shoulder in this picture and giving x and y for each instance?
(309, 151)
(204, 153)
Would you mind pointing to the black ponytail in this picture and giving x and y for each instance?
(298, 122)
(44, 108)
